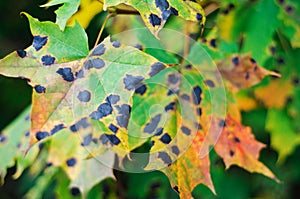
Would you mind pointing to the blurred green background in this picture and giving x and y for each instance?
(234, 183)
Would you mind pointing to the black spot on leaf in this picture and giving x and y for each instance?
(166, 139)
(103, 138)
(27, 133)
(84, 96)
(156, 68)
(222, 123)
(57, 128)
(41, 135)
(151, 126)
(199, 111)
(166, 14)
(210, 83)
(186, 130)
(39, 89)
(173, 79)
(174, 11)
(165, 158)
(170, 106)
(141, 89)
(99, 50)
(21, 53)
(103, 110)
(185, 97)
(199, 17)
(2, 138)
(79, 74)
(124, 116)
(66, 74)
(113, 128)
(116, 44)
(197, 95)
(154, 20)
(213, 43)
(176, 189)
(189, 66)
(71, 162)
(113, 139)
(47, 60)
(75, 191)
(87, 140)
(94, 63)
(237, 140)
(131, 81)
(175, 150)
(159, 131)
(113, 99)
(39, 42)
(162, 4)
(83, 123)
(231, 153)
(235, 61)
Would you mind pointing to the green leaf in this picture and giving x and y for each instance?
(283, 137)
(156, 12)
(64, 12)
(15, 139)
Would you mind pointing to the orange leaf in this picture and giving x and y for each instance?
(237, 146)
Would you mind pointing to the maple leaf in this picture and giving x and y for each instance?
(67, 94)
(237, 146)
(243, 71)
(156, 12)
(64, 12)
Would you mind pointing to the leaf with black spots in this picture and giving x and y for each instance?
(156, 12)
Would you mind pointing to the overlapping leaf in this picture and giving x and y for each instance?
(156, 12)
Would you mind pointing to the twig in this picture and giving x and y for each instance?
(102, 28)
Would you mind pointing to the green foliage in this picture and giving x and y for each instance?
(154, 93)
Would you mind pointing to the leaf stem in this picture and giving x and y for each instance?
(102, 28)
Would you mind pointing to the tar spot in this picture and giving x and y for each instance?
(166, 14)
(199, 111)
(49, 164)
(247, 75)
(189, 66)
(196, 95)
(173, 79)
(57, 128)
(27, 134)
(94, 63)
(39, 42)
(174, 11)
(175, 150)
(156, 68)
(186, 130)
(166, 139)
(131, 81)
(99, 50)
(199, 17)
(113, 99)
(151, 126)
(48, 60)
(113, 128)
(235, 61)
(87, 140)
(210, 83)
(295, 81)
(103, 110)
(116, 44)
(280, 1)
(176, 189)
(39, 89)
(103, 138)
(75, 191)
(222, 123)
(231, 153)
(41, 135)
(66, 74)
(170, 92)
(71, 162)
(185, 97)
(21, 53)
(152, 143)
(237, 140)
(162, 4)
(253, 61)
(289, 9)
(165, 157)
(84, 96)
(213, 43)
(142, 88)
(170, 106)
(2, 138)
(280, 61)
(154, 20)
(159, 131)
(113, 139)
(124, 116)
(79, 74)
(83, 123)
